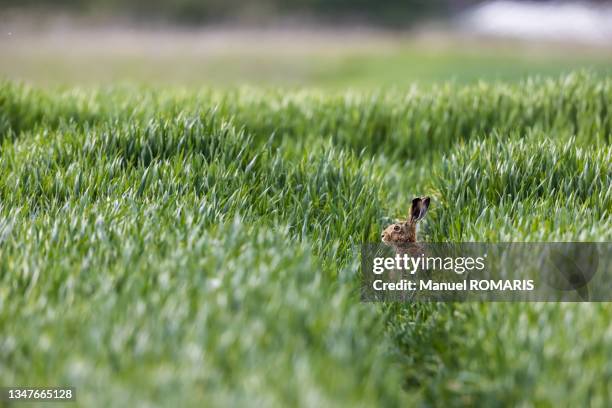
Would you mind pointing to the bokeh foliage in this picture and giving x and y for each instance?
(399, 13)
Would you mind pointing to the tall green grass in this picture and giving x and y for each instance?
(401, 125)
(530, 187)
(174, 247)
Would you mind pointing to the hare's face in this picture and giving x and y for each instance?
(397, 233)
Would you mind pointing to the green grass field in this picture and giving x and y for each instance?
(174, 247)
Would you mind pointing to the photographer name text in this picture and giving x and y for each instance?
(459, 265)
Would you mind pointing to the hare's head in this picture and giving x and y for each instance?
(404, 232)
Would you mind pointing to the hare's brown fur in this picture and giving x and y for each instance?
(404, 233)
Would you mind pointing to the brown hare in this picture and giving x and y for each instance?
(402, 235)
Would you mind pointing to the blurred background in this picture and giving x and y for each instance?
(321, 43)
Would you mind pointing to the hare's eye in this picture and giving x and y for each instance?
(396, 228)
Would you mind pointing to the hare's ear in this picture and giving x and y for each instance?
(419, 208)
